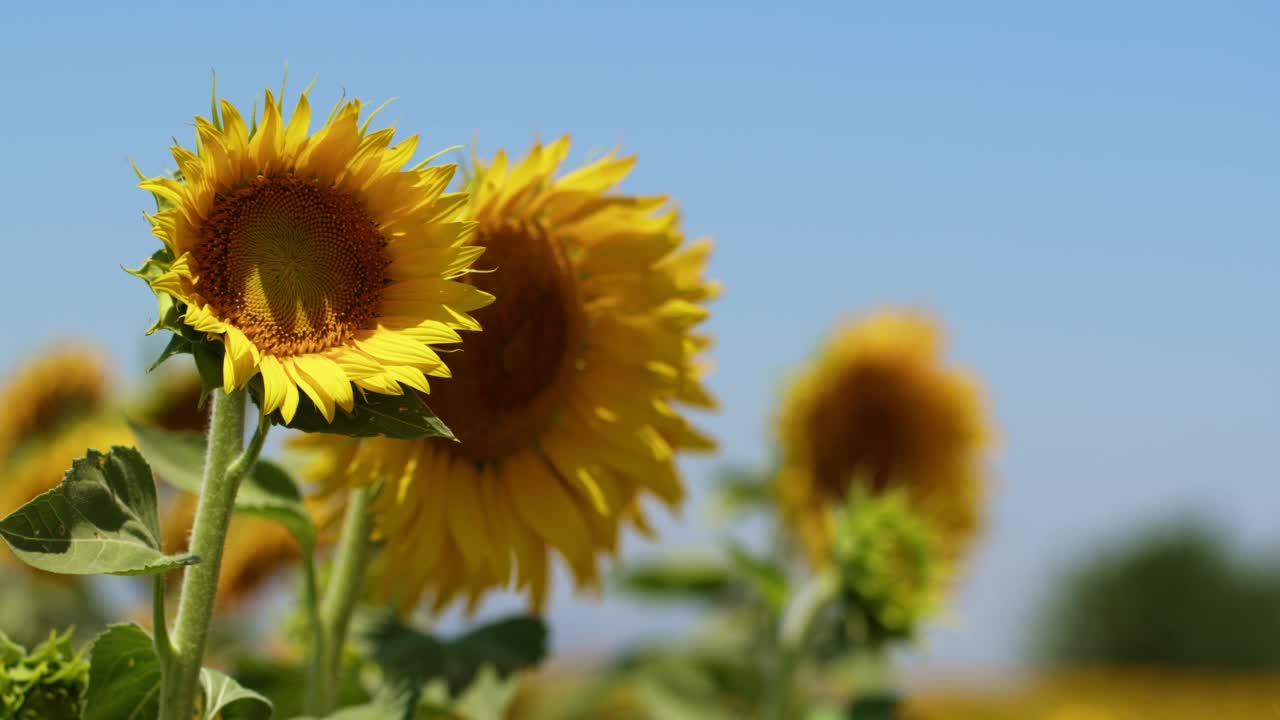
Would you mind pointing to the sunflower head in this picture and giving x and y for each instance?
(311, 264)
(567, 408)
(172, 400)
(880, 410)
(53, 408)
(52, 391)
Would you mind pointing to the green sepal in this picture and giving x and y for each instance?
(169, 313)
(168, 309)
(101, 519)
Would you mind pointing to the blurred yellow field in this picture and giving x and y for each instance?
(1104, 695)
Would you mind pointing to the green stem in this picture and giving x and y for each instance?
(315, 701)
(224, 466)
(794, 633)
(160, 627)
(340, 597)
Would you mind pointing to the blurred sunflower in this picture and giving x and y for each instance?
(172, 400)
(565, 406)
(316, 261)
(53, 408)
(878, 408)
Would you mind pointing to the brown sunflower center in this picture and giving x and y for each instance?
(871, 426)
(297, 267)
(52, 400)
(502, 393)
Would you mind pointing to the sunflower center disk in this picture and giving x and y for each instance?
(297, 267)
(868, 428)
(504, 386)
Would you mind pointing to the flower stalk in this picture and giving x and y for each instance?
(226, 464)
(340, 598)
(794, 635)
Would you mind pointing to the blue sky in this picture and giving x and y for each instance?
(1087, 193)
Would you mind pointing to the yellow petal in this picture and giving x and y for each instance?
(240, 361)
(314, 390)
(275, 384)
(327, 373)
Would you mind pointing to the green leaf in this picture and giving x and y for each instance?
(124, 682)
(705, 578)
(411, 659)
(738, 490)
(489, 696)
(124, 676)
(505, 646)
(878, 706)
(177, 345)
(403, 417)
(100, 519)
(224, 698)
(763, 575)
(268, 491)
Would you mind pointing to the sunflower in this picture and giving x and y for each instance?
(52, 409)
(172, 400)
(879, 409)
(53, 390)
(317, 262)
(565, 407)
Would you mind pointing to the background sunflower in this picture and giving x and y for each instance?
(566, 408)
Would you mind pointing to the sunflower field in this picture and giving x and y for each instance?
(424, 426)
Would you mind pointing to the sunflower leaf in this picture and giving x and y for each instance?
(764, 576)
(691, 576)
(101, 519)
(124, 682)
(413, 659)
(124, 676)
(403, 417)
(225, 698)
(268, 491)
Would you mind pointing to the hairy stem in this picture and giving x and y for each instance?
(224, 466)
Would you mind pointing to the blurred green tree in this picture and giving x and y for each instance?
(1173, 596)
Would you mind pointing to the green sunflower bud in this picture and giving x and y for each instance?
(45, 684)
(889, 561)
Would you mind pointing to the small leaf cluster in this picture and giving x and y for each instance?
(47, 683)
(889, 563)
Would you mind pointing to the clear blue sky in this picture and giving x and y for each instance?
(1088, 193)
